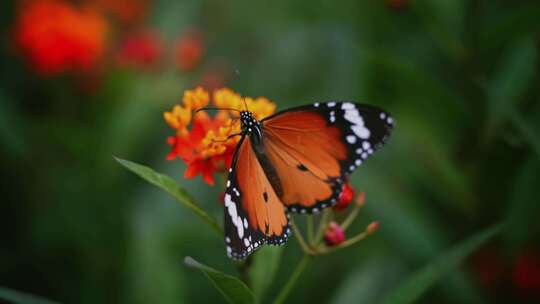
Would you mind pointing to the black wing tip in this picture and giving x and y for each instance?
(245, 252)
(277, 240)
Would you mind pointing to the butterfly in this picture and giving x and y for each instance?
(294, 161)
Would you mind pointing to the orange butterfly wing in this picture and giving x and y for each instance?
(311, 150)
(254, 214)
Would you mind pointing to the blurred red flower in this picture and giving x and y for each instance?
(345, 197)
(527, 272)
(56, 36)
(489, 265)
(213, 79)
(189, 51)
(142, 49)
(397, 4)
(334, 234)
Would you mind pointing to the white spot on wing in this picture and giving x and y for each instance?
(354, 117)
(351, 139)
(235, 218)
(347, 106)
(361, 131)
(331, 104)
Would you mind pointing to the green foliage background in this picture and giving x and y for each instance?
(460, 77)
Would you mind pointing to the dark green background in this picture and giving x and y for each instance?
(460, 77)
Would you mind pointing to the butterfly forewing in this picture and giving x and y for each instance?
(254, 215)
(313, 148)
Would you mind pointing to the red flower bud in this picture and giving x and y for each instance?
(361, 199)
(345, 197)
(334, 234)
(372, 227)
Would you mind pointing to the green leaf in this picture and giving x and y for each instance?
(366, 283)
(501, 30)
(512, 78)
(12, 135)
(522, 212)
(419, 282)
(264, 269)
(232, 288)
(169, 185)
(13, 296)
(527, 130)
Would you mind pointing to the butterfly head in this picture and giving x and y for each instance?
(249, 123)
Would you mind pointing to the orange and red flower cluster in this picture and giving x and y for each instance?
(56, 36)
(201, 141)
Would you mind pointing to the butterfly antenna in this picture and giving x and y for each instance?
(213, 108)
(245, 104)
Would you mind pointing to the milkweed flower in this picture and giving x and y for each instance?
(334, 234)
(202, 141)
(56, 36)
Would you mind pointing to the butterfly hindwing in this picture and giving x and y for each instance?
(254, 214)
(313, 148)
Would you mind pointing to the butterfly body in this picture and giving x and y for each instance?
(294, 161)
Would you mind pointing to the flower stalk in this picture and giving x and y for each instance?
(315, 245)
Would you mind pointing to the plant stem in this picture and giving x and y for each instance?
(322, 226)
(300, 239)
(350, 218)
(284, 293)
(243, 270)
(347, 243)
(309, 222)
